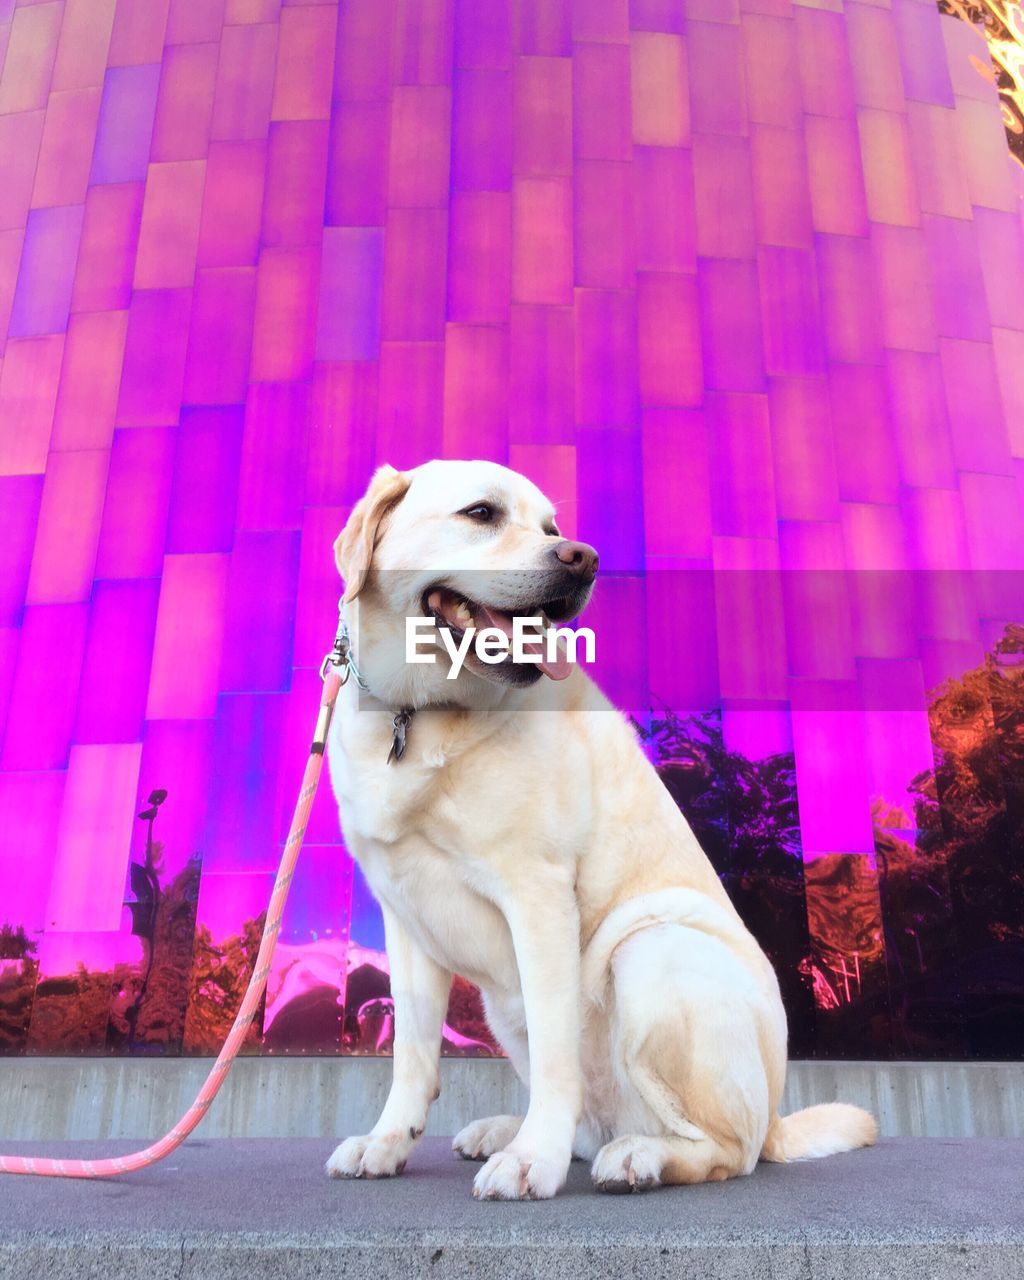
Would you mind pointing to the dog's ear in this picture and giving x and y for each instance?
(353, 549)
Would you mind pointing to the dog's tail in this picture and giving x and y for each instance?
(823, 1130)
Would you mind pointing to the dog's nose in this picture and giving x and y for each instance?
(578, 558)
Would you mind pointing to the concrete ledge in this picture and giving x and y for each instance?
(224, 1210)
(45, 1099)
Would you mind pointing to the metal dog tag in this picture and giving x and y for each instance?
(398, 742)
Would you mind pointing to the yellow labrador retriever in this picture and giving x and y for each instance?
(514, 832)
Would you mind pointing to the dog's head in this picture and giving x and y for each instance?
(469, 543)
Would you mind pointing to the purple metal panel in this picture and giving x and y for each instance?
(543, 27)
(481, 130)
(803, 449)
(194, 21)
(601, 102)
(875, 60)
(742, 480)
(922, 53)
(229, 231)
(904, 288)
(609, 475)
(190, 625)
(284, 327)
(483, 36)
(349, 315)
(414, 288)
(815, 585)
(125, 127)
(42, 299)
(19, 511)
(423, 42)
(937, 159)
(715, 56)
(677, 490)
(826, 76)
(364, 51)
(411, 404)
(724, 196)
(999, 239)
(337, 461)
(976, 419)
(357, 166)
(920, 419)
(790, 312)
(849, 301)
(421, 146)
(603, 249)
(305, 63)
(542, 116)
(782, 195)
(862, 428)
(748, 601)
(245, 82)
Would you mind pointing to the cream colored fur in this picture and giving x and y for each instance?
(526, 843)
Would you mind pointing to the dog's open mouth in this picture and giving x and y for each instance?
(459, 614)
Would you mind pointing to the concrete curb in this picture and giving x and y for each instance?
(223, 1210)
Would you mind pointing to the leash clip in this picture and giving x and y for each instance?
(341, 658)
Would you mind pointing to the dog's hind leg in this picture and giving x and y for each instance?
(687, 1042)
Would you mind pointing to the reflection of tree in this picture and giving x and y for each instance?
(466, 1012)
(744, 814)
(159, 1007)
(220, 975)
(953, 892)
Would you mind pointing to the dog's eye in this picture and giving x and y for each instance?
(481, 512)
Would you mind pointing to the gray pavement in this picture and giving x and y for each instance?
(924, 1209)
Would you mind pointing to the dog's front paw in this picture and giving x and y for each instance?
(369, 1157)
(483, 1138)
(519, 1175)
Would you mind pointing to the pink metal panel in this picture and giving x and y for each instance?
(423, 41)
(663, 179)
(245, 82)
(194, 21)
(552, 468)
(542, 113)
(184, 105)
(920, 419)
(772, 70)
(731, 325)
(602, 127)
(826, 76)
(748, 600)
(31, 50)
(724, 196)
(838, 199)
(669, 338)
(849, 300)
(803, 449)
(284, 329)
(976, 418)
(606, 358)
(543, 27)
(480, 256)
(364, 51)
(875, 59)
(220, 334)
(815, 585)
(134, 527)
(1000, 246)
(600, 20)
(888, 168)
(262, 578)
(790, 314)
(904, 288)
(421, 125)
(411, 405)
(542, 384)
(603, 249)
(742, 478)
(782, 195)
(189, 634)
(1008, 347)
(338, 462)
(357, 167)
(19, 512)
(169, 233)
(154, 357)
(127, 108)
(961, 307)
(938, 163)
(20, 138)
(30, 804)
(862, 429)
(229, 230)
(319, 587)
(82, 47)
(305, 63)
(922, 53)
(476, 389)
(28, 392)
(106, 251)
(660, 90)
(69, 525)
(677, 486)
(415, 255)
(273, 456)
(65, 154)
(542, 266)
(138, 32)
(715, 57)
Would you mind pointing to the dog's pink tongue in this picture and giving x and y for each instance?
(558, 669)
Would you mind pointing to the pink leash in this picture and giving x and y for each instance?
(257, 983)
